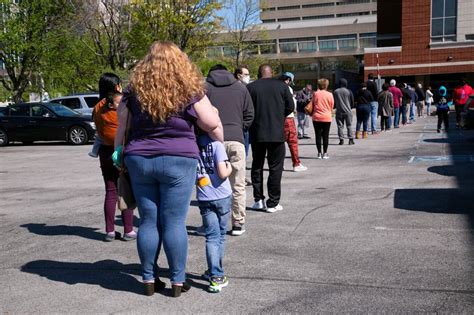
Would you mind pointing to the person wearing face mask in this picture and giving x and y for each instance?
(242, 74)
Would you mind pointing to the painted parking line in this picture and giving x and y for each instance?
(441, 158)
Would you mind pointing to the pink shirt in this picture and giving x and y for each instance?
(323, 103)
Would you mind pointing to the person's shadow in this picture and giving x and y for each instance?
(54, 230)
(109, 274)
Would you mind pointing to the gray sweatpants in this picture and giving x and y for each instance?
(342, 118)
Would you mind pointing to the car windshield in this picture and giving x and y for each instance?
(62, 110)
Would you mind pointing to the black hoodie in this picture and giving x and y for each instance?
(232, 99)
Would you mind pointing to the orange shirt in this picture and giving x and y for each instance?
(106, 121)
(323, 103)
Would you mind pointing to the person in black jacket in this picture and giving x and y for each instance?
(272, 102)
(372, 88)
(235, 106)
(363, 100)
(421, 100)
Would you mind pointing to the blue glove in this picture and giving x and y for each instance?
(116, 156)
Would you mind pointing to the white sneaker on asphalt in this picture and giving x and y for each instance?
(325, 156)
(300, 168)
(278, 207)
(259, 205)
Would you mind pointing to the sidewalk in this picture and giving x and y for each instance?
(384, 226)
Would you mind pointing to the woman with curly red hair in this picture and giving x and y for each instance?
(164, 100)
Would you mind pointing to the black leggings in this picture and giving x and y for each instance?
(321, 129)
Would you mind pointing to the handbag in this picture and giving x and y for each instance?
(125, 198)
(308, 109)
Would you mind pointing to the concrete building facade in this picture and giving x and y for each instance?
(430, 41)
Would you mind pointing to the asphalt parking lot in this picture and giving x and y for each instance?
(385, 226)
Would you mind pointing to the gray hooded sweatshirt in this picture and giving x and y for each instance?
(343, 98)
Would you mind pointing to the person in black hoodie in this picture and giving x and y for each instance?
(272, 101)
(363, 100)
(236, 112)
(372, 88)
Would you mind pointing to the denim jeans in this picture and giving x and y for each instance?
(374, 108)
(246, 142)
(396, 116)
(428, 108)
(303, 124)
(162, 186)
(385, 122)
(403, 113)
(363, 116)
(412, 111)
(215, 215)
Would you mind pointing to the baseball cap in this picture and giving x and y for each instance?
(289, 75)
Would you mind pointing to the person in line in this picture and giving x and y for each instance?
(428, 100)
(291, 137)
(214, 197)
(344, 102)
(442, 109)
(385, 100)
(303, 97)
(420, 103)
(235, 106)
(363, 99)
(272, 103)
(323, 104)
(106, 121)
(413, 101)
(460, 97)
(372, 88)
(397, 101)
(406, 101)
(242, 74)
(165, 99)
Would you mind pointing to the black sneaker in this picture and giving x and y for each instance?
(238, 229)
(341, 142)
(351, 142)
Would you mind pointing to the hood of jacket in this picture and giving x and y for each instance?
(221, 78)
(343, 83)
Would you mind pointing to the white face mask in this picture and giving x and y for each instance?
(246, 79)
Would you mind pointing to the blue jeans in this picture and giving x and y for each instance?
(303, 124)
(162, 186)
(403, 113)
(412, 111)
(396, 116)
(363, 115)
(215, 215)
(428, 108)
(374, 107)
(246, 143)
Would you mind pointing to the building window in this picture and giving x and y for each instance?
(443, 20)
(269, 21)
(352, 2)
(352, 14)
(318, 17)
(268, 9)
(290, 7)
(318, 5)
(289, 19)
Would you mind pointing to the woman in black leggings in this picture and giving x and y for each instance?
(323, 103)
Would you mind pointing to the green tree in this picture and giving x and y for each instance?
(22, 40)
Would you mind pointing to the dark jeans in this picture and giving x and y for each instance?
(403, 113)
(443, 116)
(110, 174)
(321, 129)
(385, 122)
(459, 109)
(275, 153)
(363, 115)
(246, 143)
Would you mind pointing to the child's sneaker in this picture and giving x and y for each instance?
(217, 283)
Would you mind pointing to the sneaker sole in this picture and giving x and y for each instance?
(218, 288)
(237, 233)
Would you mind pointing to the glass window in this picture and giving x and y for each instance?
(72, 103)
(325, 45)
(287, 47)
(443, 20)
(347, 44)
(307, 46)
(39, 111)
(268, 49)
(20, 110)
(91, 101)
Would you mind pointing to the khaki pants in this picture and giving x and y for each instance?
(236, 153)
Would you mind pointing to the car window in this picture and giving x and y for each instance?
(39, 111)
(72, 103)
(62, 110)
(91, 101)
(3, 111)
(20, 110)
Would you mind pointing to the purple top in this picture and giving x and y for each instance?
(174, 137)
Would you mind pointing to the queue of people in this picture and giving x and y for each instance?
(174, 131)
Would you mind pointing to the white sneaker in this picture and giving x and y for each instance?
(320, 156)
(300, 168)
(259, 205)
(278, 207)
(325, 156)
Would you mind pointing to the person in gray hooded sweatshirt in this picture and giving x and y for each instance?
(233, 100)
(344, 102)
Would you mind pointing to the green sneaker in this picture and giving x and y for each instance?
(217, 283)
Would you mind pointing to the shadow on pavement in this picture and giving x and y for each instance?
(108, 274)
(53, 230)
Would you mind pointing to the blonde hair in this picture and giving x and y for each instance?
(323, 84)
(165, 81)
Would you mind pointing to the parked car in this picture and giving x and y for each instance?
(30, 122)
(83, 103)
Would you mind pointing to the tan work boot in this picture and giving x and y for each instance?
(365, 135)
(357, 135)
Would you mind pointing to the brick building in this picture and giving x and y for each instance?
(428, 41)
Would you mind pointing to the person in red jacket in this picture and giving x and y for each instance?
(460, 96)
